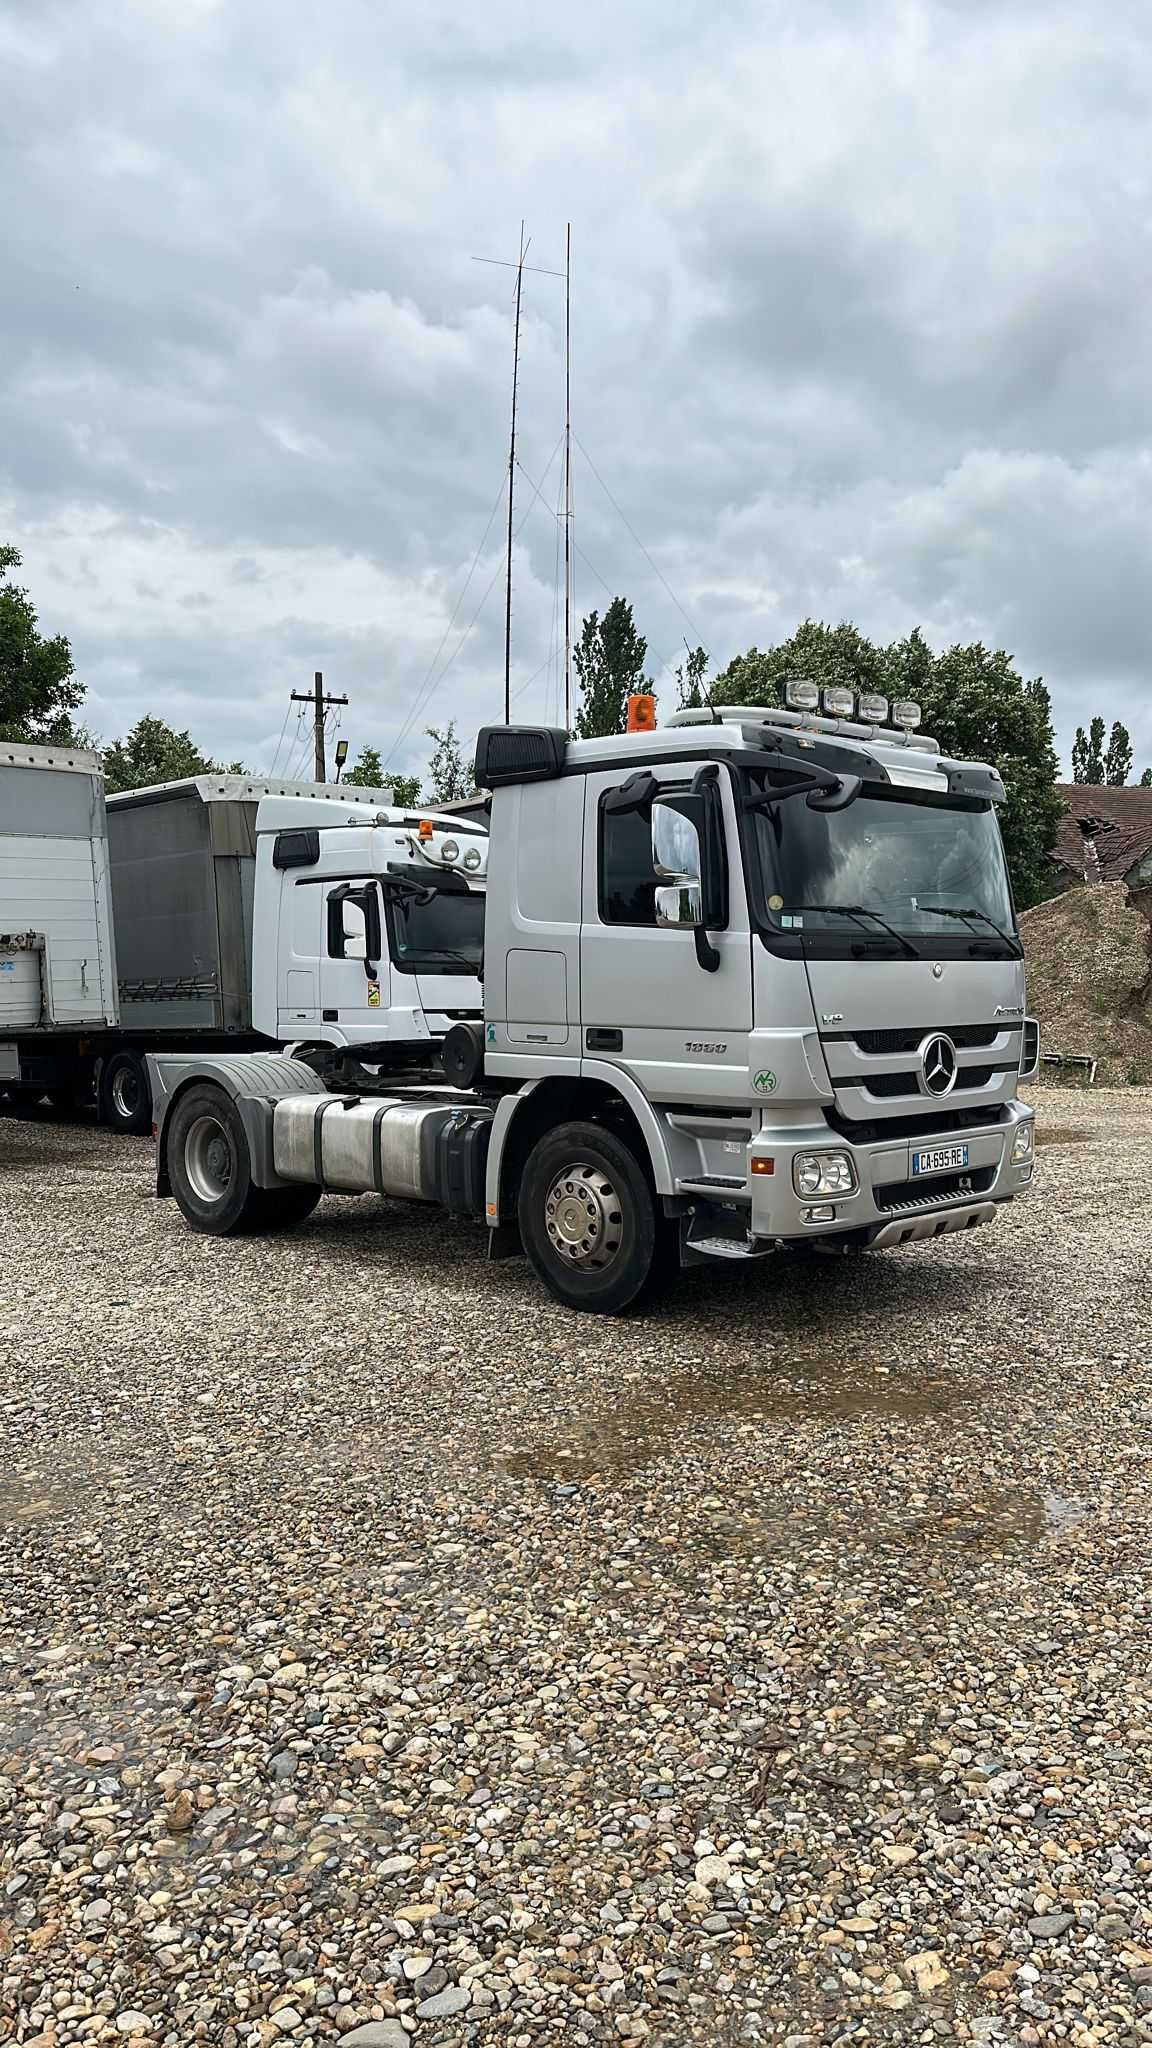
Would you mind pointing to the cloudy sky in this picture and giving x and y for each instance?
(862, 327)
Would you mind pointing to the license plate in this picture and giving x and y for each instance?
(945, 1159)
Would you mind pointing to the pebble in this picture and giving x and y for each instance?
(810, 1710)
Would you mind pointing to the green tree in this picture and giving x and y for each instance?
(813, 653)
(1118, 759)
(980, 709)
(366, 771)
(609, 657)
(152, 752)
(690, 680)
(449, 776)
(406, 792)
(1088, 753)
(973, 701)
(1146, 779)
(38, 685)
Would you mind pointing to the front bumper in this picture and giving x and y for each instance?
(888, 1207)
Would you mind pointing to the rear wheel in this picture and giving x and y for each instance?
(589, 1220)
(125, 1097)
(210, 1171)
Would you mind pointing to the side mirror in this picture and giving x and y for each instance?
(680, 905)
(677, 853)
(678, 857)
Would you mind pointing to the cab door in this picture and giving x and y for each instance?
(646, 1002)
(353, 962)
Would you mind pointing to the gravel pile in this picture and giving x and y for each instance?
(388, 1655)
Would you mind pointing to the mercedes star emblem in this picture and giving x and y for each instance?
(938, 1058)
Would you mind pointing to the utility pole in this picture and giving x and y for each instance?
(319, 702)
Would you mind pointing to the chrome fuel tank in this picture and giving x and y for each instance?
(379, 1143)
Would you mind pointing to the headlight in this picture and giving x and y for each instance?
(472, 859)
(1024, 1143)
(823, 1173)
(449, 850)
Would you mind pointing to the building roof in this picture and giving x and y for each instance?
(1104, 832)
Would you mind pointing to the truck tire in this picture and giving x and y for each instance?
(210, 1171)
(125, 1096)
(589, 1220)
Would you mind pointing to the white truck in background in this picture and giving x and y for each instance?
(225, 914)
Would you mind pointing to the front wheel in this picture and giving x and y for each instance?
(589, 1220)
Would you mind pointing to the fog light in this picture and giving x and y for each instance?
(450, 851)
(823, 1173)
(872, 709)
(1023, 1144)
(824, 1214)
(472, 859)
(839, 702)
(802, 696)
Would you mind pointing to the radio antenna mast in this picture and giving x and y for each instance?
(511, 490)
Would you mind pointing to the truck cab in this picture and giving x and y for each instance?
(367, 934)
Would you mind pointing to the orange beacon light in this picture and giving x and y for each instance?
(641, 713)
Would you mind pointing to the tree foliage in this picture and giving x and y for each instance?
(1088, 753)
(449, 776)
(38, 686)
(973, 701)
(609, 658)
(405, 791)
(1146, 779)
(366, 771)
(1093, 762)
(153, 752)
(1118, 759)
(690, 680)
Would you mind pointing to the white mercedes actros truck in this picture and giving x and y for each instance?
(223, 914)
(752, 981)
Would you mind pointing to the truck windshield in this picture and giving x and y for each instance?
(926, 867)
(445, 936)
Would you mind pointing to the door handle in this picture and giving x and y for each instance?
(599, 1038)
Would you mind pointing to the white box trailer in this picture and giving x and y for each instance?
(57, 952)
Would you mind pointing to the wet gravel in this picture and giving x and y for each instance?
(387, 1654)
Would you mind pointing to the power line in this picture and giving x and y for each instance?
(422, 690)
(280, 741)
(656, 570)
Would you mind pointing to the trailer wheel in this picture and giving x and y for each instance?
(589, 1220)
(125, 1097)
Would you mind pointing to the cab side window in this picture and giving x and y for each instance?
(627, 878)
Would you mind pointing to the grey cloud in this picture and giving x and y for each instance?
(862, 322)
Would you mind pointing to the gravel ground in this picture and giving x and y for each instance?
(386, 1653)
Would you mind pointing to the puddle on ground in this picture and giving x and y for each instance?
(1064, 1134)
(644, 1426)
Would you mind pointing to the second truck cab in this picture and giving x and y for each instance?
(368, 932)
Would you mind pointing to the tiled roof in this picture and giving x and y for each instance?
(1104, 832)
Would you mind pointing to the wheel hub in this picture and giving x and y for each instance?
(208, 1159)
(583, 1218)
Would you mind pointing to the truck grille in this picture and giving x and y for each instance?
(898, 1195)
(908, 1084)
(909, 1037)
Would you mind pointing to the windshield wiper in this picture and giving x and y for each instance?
(432, 960)
(968, 914)
(859, 910)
